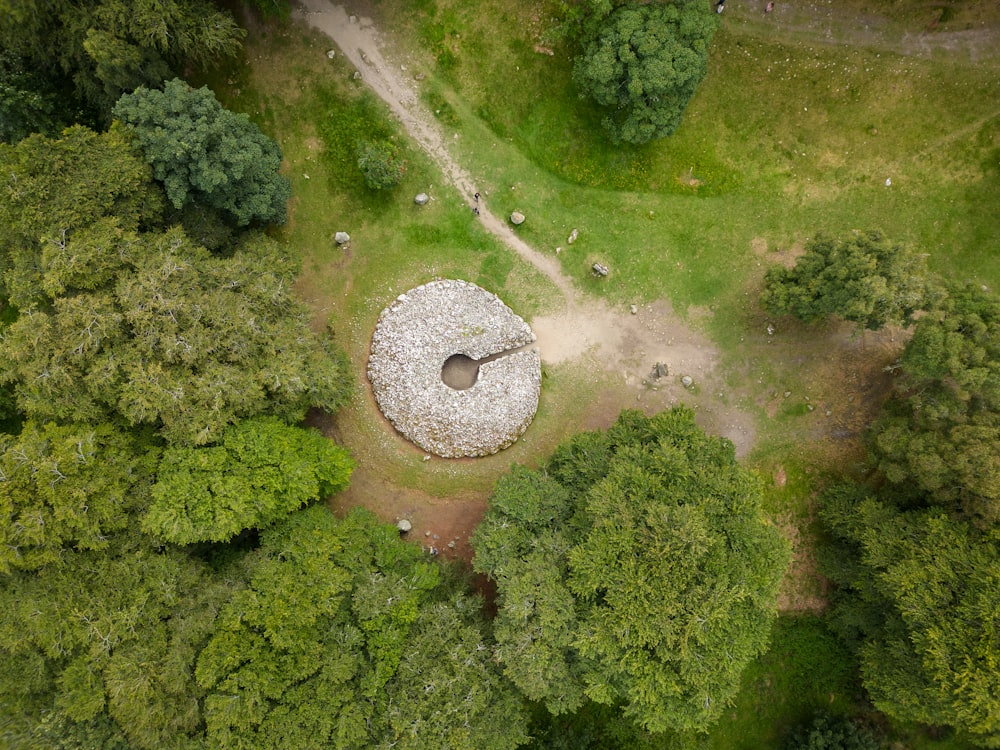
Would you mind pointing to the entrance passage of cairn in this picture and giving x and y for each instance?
(486, 396)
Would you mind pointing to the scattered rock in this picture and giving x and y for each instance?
(427, 458)
(421, 199)
(436, 536)
(427, 533)
(888, 182)
(572, 236)
(780, 477)
(599, 270)
(787, 394)
(634, 309)
(331, 53)
(770, 329)
(341, 238)
(403, 525)
(543, 50)
(353, 19)
(451, 545)
(687, 381)
(419, 77)
(517, 218)
(357, 75)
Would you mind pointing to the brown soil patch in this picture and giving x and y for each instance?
(803, 589)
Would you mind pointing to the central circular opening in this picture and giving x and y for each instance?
(459, 372)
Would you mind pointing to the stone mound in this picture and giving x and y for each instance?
(422, 329)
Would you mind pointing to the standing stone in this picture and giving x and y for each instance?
(331, 53)
(421, 199)
(572, 236)
(517, 218)
(403, 525)
(687, 381)
(341, 238)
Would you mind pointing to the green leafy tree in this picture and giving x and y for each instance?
(108, 47)
(380, 164)
(203, 153)
(345, 638)
(920, 593)
(634, 569)
(939, 435)
(863, 278)
(262, 470)
(50, 187)
(642, 62)
(67, 485)
(148, 329)
(101, 647)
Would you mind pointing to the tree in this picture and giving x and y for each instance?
(863, 278)
(262, 470)
(52, 186)
(380, 164)
(148, 329)
(108, 47)
(920, 591)
(28, 103)
(832, 733)
(939, 434)
(643, 62)
(346, 638)
(634, 569)
(203, 153)
(67, 486)
(101, 646)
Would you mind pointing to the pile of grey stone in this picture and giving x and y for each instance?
(418, 332)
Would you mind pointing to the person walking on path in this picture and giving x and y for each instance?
(476, 196)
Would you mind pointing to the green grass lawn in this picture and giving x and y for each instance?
(788, 136)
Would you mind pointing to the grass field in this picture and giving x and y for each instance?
(803, 118)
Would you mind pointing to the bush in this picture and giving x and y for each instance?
(832, 733)
(380, 164)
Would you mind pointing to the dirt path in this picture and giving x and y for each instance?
(586, 330)
(358, 40)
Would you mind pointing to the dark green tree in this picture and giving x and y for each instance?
(203, 153)
(919, 593)
(863, 278)
(346, 638)
(261, 470)
(28, 102)
(108, 47)
(939, 435)
(634, 569)
(642, 63)
(833, 733)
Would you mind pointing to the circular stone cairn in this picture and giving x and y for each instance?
(427, 326)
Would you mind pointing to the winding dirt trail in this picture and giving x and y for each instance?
(358, 40)
(586, 331)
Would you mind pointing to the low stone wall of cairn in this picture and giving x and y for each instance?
(424, 327)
